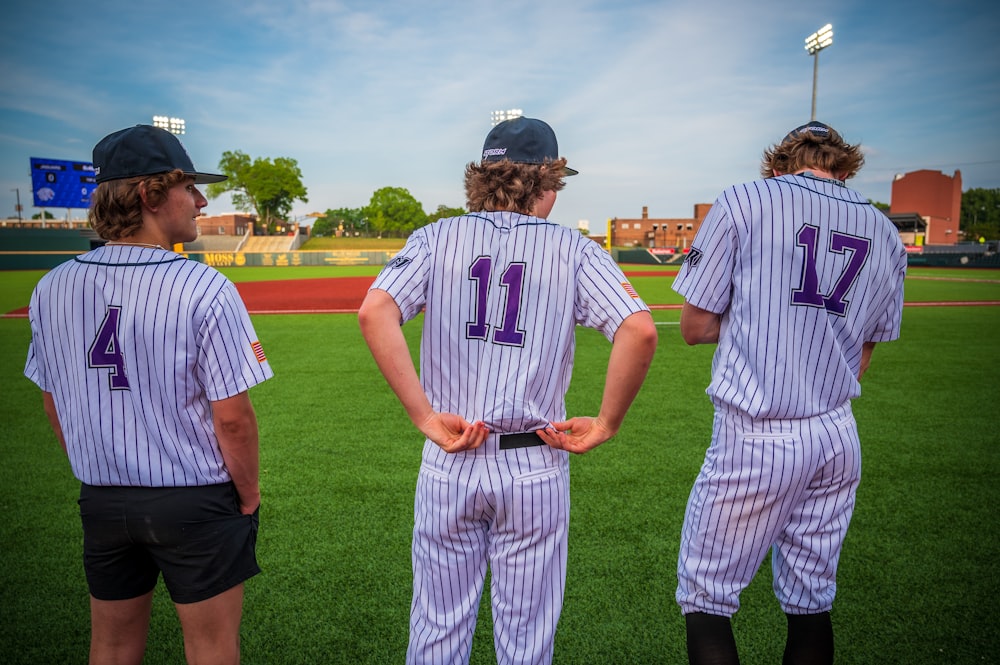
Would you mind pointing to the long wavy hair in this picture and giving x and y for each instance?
(511, 186)
(116, 205)
(807, 150)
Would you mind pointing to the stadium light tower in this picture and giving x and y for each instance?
(171, 124)
(815, 43)
(496, 117)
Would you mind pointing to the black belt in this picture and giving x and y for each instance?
(522, 440)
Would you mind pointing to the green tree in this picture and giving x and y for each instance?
(393, 211)
(350, 220)
(444, 211)
(980, 216)
(48, 215)
(884, 207)
(266, 187)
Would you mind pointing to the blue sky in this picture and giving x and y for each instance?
(658, 104)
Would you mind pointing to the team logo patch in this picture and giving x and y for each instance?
(398, 262)
(693, 257)
(258, 351)
(629, 290)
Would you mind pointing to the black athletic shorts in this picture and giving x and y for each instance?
(195, 536)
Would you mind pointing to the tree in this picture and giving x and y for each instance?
(884, 207)
(980, 216)
(267, 187)
(444, 211)
(394, 211)
(350, 220)
(48, 215)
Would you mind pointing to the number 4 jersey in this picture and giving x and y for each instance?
(134, 343)
(803, 271)
(503, 294)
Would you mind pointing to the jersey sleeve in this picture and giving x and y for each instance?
(405, 276)
(886, 327)
(34, 367)
(231, 359)
(604, 296)
(705, 278)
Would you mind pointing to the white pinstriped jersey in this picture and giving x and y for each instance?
(804, 271)
(503, 294)
(133, 343)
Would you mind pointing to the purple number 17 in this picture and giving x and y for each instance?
(808, 292)
(512, 279)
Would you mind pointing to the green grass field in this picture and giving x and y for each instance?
(918, 580)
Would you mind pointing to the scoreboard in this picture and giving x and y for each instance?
(57, 183)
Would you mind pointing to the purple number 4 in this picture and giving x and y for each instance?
(512, 280)
(106, 350)
(808, 292)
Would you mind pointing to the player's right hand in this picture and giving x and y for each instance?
(453, 433)
(576, 435)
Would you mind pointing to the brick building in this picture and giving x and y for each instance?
(228, 224)
(926, 206)
(652, 233)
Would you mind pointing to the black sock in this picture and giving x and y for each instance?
(810, 640)
(710, 640)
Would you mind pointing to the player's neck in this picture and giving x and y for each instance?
(143, 240)
(820, 173)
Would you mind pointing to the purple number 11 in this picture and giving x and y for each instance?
(808, 292)
(512, 279)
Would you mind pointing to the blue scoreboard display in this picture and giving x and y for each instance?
(57, 183)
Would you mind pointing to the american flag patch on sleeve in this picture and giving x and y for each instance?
(258, 351)
(629, 290)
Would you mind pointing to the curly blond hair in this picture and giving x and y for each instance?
(511, 186)
(116, 205)
(807, 150)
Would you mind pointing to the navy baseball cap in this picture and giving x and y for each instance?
(814, 127)
(524, 141)
(144, 150)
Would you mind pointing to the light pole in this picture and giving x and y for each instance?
(815, 43)
(18, 193)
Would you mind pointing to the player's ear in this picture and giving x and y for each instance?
(144, 197)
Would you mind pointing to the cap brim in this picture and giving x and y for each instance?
(207, 178)
(568, 171)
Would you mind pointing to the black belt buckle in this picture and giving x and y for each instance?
(522, 440)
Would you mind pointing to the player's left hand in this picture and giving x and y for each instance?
(453, 433)
(576, 435)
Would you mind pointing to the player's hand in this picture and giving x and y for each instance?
(453, 433)
(576, 435)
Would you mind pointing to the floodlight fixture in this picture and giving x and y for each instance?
(820, 39)
(169, 123)
(815, 43)
(496, 117)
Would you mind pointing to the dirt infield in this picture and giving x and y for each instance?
(339, 295)
(327, 295)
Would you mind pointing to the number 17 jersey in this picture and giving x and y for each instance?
(803, 271)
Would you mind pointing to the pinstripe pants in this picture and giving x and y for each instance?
(789, 485)
(509, 508)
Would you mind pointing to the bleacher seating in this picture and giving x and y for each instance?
(268, 244)
(206, 243)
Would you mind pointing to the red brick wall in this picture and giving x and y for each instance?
(934, 196)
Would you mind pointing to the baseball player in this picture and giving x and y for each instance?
(503, 290)
(145, 359)
(796, 277)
